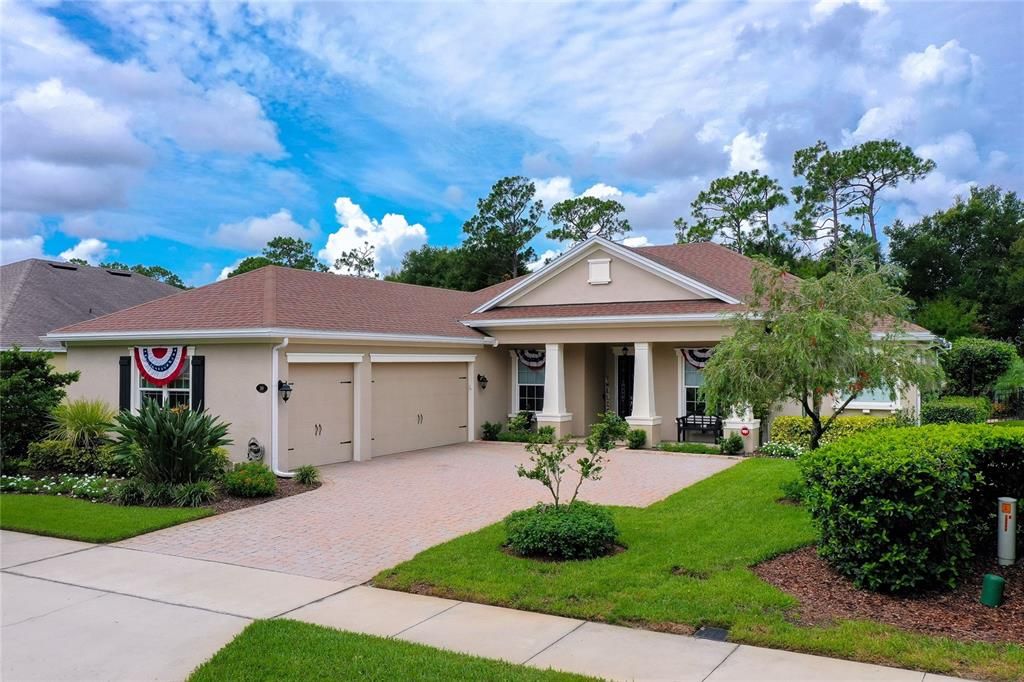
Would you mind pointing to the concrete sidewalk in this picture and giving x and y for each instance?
(75, 611)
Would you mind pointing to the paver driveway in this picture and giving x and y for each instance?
(369, 516)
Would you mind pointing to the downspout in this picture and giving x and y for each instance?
(274, 378)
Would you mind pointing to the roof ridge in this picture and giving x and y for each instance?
(270, 297)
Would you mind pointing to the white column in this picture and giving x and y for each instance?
(554, 385)
(644, 412)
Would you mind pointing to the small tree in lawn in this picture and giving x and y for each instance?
(30, 389)
(548, 461)
(812, 341)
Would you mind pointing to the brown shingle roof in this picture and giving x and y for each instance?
(602, 309)
(297, 299)
(38, 296)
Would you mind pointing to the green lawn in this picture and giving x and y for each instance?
(693, 448)
(288, 650)
(687, 563)
(1016, 422)
(64, 517)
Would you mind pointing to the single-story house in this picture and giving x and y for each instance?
(38, 296)
(314, 368)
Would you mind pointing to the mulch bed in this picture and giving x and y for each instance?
(286, 487)
(826, 596)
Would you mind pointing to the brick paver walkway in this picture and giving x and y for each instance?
(370, 516)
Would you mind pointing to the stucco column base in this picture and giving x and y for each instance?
(561, 423)
(648, 425)
(751, 440)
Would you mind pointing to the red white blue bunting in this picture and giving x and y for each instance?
(160, 365)
(534, 359)
(698, 357)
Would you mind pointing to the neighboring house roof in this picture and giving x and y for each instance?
(282, 298)
(38, 296)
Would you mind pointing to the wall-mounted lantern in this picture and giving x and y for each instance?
(482, 380)
(285, 389)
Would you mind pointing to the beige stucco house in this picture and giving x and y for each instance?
(371, 368)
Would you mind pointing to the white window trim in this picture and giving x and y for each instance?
(514, 397)
(136, 398)
(868, 405)
(681, 384)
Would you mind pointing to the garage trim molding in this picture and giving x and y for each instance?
(420, 357)
(300, 358)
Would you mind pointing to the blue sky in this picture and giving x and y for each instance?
(185, 135)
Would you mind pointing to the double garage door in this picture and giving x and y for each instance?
(414, 405)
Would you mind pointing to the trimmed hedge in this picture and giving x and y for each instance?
(901, 510)
(973, 365)
(793, 430)
(570, 531)
(958, 409)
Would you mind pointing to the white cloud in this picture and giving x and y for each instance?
(16, 249)
(254, 232)
(391, 236)
(954, 153)
(18, 224)
(824, 8)
(544, 258)
(454, 195)
(91, 250)
(634, 242)
(552, 190)
(227, 269)
(946, 65)
(887, 120)
(602, 191)
(746, 152)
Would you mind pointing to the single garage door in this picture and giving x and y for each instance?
(418, 405)
(320, 414)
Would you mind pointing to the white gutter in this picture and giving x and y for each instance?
(267, 332)
(274, 378)
(598, 319)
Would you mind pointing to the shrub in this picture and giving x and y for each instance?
(490, 430)
(520, 422)
(636, 438)
(108, 460)
(59, 455)
(545, 434)
(307, 474)
(689, 447)
(250, 480)
(732, 444)
(574, 531)
(974, 365)
(899, 509)
(29, 390)
(83, 423)
(130, 493)
(782, 450)
(797, 430)
(157, 493)
(172, 446)
(960, 409)
(794, 490)
(195, 494)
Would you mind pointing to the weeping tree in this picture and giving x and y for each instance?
(815, 342)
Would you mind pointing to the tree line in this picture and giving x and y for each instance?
(963, 267)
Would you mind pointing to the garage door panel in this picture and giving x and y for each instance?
(418, 405)
(320, 414)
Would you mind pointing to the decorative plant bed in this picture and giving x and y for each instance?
(825, 596)
(286, 487)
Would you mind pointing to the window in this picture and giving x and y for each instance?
(178, 392)
(872, 399)
(693, 379)
(530, 386)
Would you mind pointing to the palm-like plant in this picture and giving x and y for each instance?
(169, 445)
(82, 423)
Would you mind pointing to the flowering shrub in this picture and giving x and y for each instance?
(88, 487)
(779, 449)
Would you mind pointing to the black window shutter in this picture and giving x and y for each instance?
(198, 382)
(124, 383)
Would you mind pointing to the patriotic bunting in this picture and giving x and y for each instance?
(698, 357)
(160, 365)
(534, 359)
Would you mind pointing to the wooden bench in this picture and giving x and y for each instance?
(706, 424)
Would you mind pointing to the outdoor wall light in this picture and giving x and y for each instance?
(482, 380)
(285, 389)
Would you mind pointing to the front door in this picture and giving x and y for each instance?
(625, 388)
